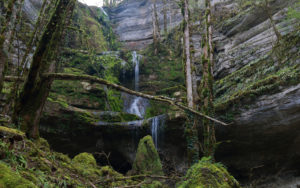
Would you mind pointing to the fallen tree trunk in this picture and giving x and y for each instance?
(173, 102)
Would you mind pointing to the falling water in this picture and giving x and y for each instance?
(154, 127)
(157, 122)
(134, 108)
(104, 12)
(138, 105)
(136, 62)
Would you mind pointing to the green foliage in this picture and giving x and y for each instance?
(147, 160)
(10, 179)
(60, 101)
(162, 71)
(88, 30)
(115, 101)
(293, 12)
(206, 174)
(156, 109)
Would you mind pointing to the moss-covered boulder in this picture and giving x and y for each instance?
(86, 159)
(85, 164)
(10, 179)
(147, 160)
(206, 174)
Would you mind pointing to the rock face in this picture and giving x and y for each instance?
(133, 21)
(266, 136)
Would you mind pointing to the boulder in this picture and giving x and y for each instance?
(147, 160)
(207, 174)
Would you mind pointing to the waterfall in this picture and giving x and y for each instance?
(104, 12)
(134, 108)
(136, 62)
(138, 104)
(156, 126)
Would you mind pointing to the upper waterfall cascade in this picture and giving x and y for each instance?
(139, 104)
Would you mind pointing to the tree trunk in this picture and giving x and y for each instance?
(269, 14)
(188, 69)
(165, 17)
(3, 55)
(206, 88)
(191, 129)
(33, 36)
(16, 20)
(156, 30)
(35, 91)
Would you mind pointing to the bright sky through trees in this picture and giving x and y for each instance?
(92, 2)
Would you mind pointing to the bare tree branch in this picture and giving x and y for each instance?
(173, 102)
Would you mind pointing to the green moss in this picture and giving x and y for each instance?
(128, 117)
(153, 184)
(206, 174)
(74, 93)
(63, 158)
(86, 159)
(43, 164)
(164, 70)
(11, 132)
(115, 101)
(85, 164)
(10, 179)
(30, 176)
(43, 144)
(147, 159)
(107, 171)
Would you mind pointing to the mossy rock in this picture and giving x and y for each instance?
(85, 164)
(107, 171)
(147, 160)
(86, 159)
(206, 174)
(43, 144)
(114, 117)
(10, 179)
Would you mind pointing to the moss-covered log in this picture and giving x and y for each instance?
(61, 76)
